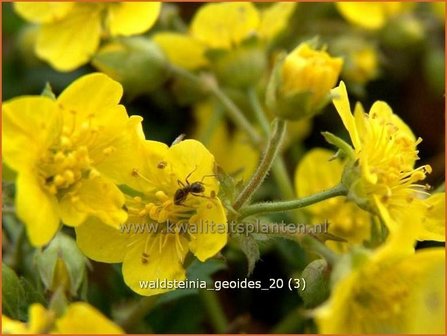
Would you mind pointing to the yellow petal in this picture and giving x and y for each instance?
(101, 242)
(225, 25)
(95, 197)
(370, 15)
(93, 100)
(81, 318)
(123, 153)
(40, 319)
(341, 102)
(30, 125)
(385, 295)
(433, 219)
(164, 261)
(148, 174)
(211, 224)
(43, 12)
(191, 158)
(71, 42)
(182, 50)
(36, 208)
(427, 299)
(275, 18)
(316, 172)
(10, 326)
(129, 18)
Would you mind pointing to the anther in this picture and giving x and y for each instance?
(162, 164)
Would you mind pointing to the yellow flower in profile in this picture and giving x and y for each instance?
(79, 318)
(220, 141)
(306, 69)
(67, 153)
(70, 32)
(300, 84)
(370, 15)
(319, 170)
(165, 222)
(381, 175)
(392, 290)
(223, 26)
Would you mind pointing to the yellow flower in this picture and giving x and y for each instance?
(79, 318)
(223, 26)
(66, 153)
(162, 226)
(308, 70)
(40, 321)
(244, 157)
(370, 15)
(381, 175)
(301, 83)
(388, 292)
(70, 32)
(315, 172)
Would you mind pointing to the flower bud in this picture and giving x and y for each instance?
(61, 265)
(240, 67)
(136, 62)
(316, 276)
(301, 82)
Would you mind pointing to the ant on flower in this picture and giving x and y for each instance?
(195, 188)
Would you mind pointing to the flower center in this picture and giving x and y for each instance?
(68, 160)
(389, 154)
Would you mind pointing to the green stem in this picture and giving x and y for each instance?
(264, 166)
(142, 308)
(235, 114)
(260, 208)
(258, 110)
(312, 244)
(293, 322)
(213, 308)
(279, 168)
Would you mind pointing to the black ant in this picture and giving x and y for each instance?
(196, 189)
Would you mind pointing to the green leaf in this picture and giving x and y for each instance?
(14, 298)
(32, 294)
(317, 278)
(227, 189)
(249, 246)
(344, 147)
(48, 92)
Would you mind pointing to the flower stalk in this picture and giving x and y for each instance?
(268, 207)
(265, 164)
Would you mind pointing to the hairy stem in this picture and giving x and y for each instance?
(264, 166)
(213, 308)
(260, 208)
(279, 168)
